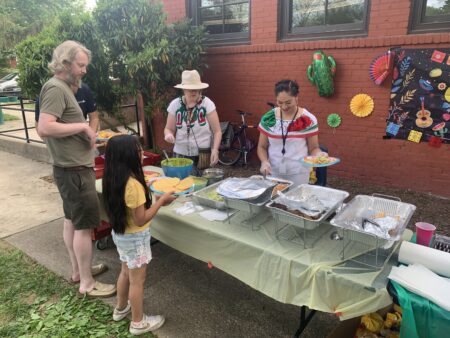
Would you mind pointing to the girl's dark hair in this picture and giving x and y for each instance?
(122, 161)
(289, 86)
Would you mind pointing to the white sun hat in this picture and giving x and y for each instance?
(190, 79)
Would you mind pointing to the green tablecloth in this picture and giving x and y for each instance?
(421, 317)
(282, 270)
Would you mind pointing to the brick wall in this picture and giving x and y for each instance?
(242, 77)
(175, 9)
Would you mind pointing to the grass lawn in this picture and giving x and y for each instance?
(34, 302)
(9, 117)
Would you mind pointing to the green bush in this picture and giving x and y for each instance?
(130, 40)
(35, 53)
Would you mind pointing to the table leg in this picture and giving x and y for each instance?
(304, 320)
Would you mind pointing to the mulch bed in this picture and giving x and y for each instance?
(430, 208)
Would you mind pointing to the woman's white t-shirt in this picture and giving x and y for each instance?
(199, 135)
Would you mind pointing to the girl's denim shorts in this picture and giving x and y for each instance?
(134, 249)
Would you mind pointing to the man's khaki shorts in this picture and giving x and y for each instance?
(80, 201)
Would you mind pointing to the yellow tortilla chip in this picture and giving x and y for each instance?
(166, 189)
(149, 177)
(185, 184)
(166, 184)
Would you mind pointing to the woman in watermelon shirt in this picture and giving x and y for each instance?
(192, 120)
(288, 133)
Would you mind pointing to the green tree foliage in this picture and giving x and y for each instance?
(130, 41)
(22, 18)
(147, 54)
(36, 52)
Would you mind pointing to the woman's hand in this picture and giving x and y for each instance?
(320, 154)
(265, 169)
(214, 157)
(169, 137)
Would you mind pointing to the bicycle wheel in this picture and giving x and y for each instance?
(232, 154)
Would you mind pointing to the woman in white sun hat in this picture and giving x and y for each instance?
(193, 120)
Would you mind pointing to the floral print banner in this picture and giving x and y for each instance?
(420, 96)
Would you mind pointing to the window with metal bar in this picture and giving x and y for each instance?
(312, 19)
(429, 16)
(226, 21)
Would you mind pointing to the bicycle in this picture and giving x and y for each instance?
(235, 142)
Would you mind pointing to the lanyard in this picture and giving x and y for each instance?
(283, 135)
(189, 119)
(189, 112)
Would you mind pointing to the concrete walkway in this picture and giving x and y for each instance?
(27, 198)
(197, 301)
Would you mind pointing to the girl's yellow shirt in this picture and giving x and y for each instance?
(134, 197)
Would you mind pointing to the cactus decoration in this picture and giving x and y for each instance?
(321, 72)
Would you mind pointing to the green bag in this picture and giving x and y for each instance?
(421, 318)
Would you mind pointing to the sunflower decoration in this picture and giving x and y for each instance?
(361, 105)
(334, 120)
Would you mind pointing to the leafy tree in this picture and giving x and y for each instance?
(35, 53)
(22, 18)
(130, 41)
(147, 54)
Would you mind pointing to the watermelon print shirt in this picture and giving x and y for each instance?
(199, 126)
(296, 146)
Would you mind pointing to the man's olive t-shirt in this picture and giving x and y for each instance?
(58, 99)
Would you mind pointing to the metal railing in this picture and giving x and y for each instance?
(26, 128)
(23, 110)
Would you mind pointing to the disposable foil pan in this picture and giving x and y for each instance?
(334, 196)
(201, 197)
(256, 205)
(350, 217)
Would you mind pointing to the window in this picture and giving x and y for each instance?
(430, 16)
(312, 19)
(226, 21)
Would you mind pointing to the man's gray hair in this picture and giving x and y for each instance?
(64, 55)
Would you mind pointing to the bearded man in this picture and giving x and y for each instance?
(71, 143)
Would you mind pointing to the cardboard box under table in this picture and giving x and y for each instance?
(281, 270)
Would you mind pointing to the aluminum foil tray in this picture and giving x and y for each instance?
(201, 197)
(256, 205)
(335, 196)
(350, 216)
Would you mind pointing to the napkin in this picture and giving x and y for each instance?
(424, 282)
(215, 215)
(187, 209)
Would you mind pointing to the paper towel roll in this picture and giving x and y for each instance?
(435, 260)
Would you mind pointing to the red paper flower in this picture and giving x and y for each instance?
(301, 123)
(435, 141)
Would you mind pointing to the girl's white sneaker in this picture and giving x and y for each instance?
(121, 314)
(148, 323)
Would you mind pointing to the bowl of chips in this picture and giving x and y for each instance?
(177, 167)
(167, 184)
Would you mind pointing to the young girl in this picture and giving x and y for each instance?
(128, 205)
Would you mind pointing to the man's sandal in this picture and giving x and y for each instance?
(101, 290)
(95, 271)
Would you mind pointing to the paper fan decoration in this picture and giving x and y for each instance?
(361, 105)
(334, 120)
(381, 66)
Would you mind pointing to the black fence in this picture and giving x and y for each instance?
(23, 101)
